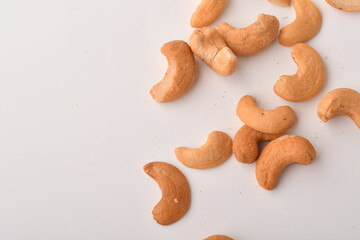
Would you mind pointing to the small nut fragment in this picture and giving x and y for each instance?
(180, 74)
(281, 2)
(280, 153)
(345, 5)
(207, 12)
(216, 150)
(218, 237)
(306, 25)
(309, 79)
(175, 189)
(207, 44)
(245, 145)
(341, 101)
(277, 120)
(252, 39)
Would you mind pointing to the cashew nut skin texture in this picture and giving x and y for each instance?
(218, 237)
(281, 2)
(280, 153)
(345, 5)
(180, 74)
(252, 39)
(207, 12)
(207, 44)
(341, 101)
(277, 120)
(309, 78)
(245, 145)
(216, 150)
(306, 25)
(175, 201)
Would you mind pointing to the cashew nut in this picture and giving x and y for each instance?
(245, 145)
(175, 201)
(281, 2)
(280, 153)
(345, 5)
(309, 79)
(207, 44)
(306, 25)
(252, 39)
(218, 237)
(341, 101)
(277, 120)
(207, 12)
(180, 74)
(216, 150)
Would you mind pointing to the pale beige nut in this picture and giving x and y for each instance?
(180, 74)
(218, 237)
(280, 153)
(309, 78)
(281, 2)
(216, 150)
(245, 144)
(306, 25)
(252, 39)
(207, 12)
(341, 101)
(277, 120)
(207, 44)
(175, 189)
(346, 5)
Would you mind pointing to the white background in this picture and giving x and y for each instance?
(77, 125)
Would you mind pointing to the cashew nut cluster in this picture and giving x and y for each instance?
(207, 12)
(345, 5)
(281, 2)
(218, 237)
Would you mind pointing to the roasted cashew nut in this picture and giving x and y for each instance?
(277, 120)
(218, 237)
(341, 101)
(281, 2)
(175, 201)
(345, 5)
(252, 39)
(309, 78)
(207, 44)
(216, 150)
(280, 153)
(306, 25)
(180, 74)
(207, 12)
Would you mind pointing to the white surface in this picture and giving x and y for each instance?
(78, 124)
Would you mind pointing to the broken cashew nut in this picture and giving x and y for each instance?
(207, 12)
(280, 153)
(207, 44)
(216, 150)
(175, 201)
(218, 237)
(277, 120)
(309, 79)
(281, 2)
(245, 145)
(180, 74)
(341, 101)
(306, 25)
(252, 39)
(345, 5)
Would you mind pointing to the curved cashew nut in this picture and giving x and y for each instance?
(309, 79)
(252, 39)
(207, 44)
(175, 201)
(277, 120)
(218, 237)
(345, 5)
(281, 2)
(180, 74)
(306, 25)
(245, 145)
(207, 12)
(341, 101)
(216, 150)
(280, 153)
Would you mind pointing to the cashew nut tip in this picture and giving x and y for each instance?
(281, 2)
(218, 237)
(345, 5)
(245, 145)
(180, 74)
(175, 201)
(207, 12)
(216, 150)
(309, 78)
(280, 153)
(341, 101)
(207, 44)
(306, 25)
(252, 39)
(277, 120)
